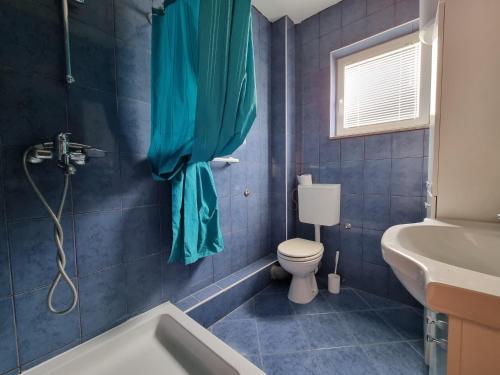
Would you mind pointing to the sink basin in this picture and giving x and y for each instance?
(457, 253)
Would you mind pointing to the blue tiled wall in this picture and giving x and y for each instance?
(382, 176)
(117, 228)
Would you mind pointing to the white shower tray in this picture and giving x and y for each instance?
(161, 341)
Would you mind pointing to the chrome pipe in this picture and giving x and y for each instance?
(67, 48)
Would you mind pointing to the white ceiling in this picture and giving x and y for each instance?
(297, 10)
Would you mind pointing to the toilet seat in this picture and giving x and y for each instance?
(300, 250)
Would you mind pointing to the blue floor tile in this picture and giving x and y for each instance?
(241, 335)
(418, 345)
(343, 361)
(376, 302)
(406, 321)
(277, 286)
(287, 364)
(369, 328)
(245, 311)
(318, 305)
(326, 331)
(346, 300)
(272, 305)
(281, 335)
(396, 359)
(255, 359)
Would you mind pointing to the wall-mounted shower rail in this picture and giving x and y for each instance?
(227, 160)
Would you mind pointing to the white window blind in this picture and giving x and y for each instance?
(384, 88)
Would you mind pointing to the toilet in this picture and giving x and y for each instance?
(319, 204)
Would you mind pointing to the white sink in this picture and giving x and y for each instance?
(457, 253)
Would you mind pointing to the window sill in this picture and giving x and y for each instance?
(409, 128)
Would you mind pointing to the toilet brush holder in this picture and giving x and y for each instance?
(334, 283)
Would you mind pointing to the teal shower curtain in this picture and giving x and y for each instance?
(203, 105)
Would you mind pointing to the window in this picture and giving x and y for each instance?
(383, 88)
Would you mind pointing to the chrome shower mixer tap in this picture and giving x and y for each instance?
(68, 154)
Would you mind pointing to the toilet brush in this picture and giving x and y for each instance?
(333, 278)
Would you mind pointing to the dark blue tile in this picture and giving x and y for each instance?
(32, 109)
(41, 332)
(369, 328)
(355, 32)
(93, 57)
(279, 335)
(405, 321)
(175, 280)
(141, 232)
(33, 252)
(377, 302)
(351, 248)
(343, 361)
(346, 300)
(134, 129)
(328, 43)
(137, 185)
(426, 142)
(330, 19)
(378, 146)
(380, 21)
(8, 352)
(352, 148)
(99, 241)
(329, 150)
(20, 199)
(318, 305)
(376, 212)
(352, 11)
(238, 249)
(144, 283)
(277, 287)
(187, 303)
(372, 249)
(352, 177)
(96, 13)
(425, 175)
(310, 56)
(103, 300)
(418, 346)
(245, 311)
(131, 26)
(396, 358)
(399, 293)
(408, 144)
(376, 278)
(351, 209)
(406, 210)
(351, 273)
(241, 335)
(406, 10)
(222, 260)
(5, 287)
(97, 186)
(376, 5)
(222, 178)
(272, 305)
(238, 179)
(377, 176)
(31, 33)
(406, 179)
(326, 331)
(329, 173)
(289, 363)
(93, 119)
(207, 292)
(133, 72)
(201, 273)
(309, 29)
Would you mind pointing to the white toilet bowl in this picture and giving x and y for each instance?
(300, 258)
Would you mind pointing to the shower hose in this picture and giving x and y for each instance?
(59, 239)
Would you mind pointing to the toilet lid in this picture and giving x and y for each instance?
(300, 248)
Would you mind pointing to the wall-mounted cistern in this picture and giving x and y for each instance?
(68, 156)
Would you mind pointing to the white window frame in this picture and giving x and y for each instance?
(425, 74)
